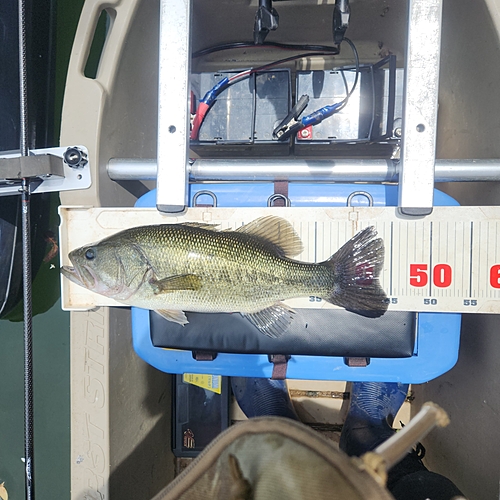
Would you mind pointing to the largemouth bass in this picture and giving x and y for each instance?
(172, 268)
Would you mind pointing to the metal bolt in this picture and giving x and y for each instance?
(304, 133)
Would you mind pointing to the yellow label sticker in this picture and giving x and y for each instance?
(210, 382)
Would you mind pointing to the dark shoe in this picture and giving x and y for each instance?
(372, 409)
(260, 397)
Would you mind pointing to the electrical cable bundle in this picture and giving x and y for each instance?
(312, 119)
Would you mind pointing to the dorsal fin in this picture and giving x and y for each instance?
(277, 231)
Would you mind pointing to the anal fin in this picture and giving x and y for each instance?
(272, 321)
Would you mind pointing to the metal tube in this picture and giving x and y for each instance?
(297, 170)
(306, 170)
(467, 170)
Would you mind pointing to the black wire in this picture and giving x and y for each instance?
(287, 59)
(288, 46)
(356, 78)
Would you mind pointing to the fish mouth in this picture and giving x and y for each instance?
(81, 275)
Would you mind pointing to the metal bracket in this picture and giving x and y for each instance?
(31, 166)
(173, 105)
(52, 169)
(418, 149)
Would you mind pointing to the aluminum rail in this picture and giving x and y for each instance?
(173, 104)
(418, 145)
(120, 169)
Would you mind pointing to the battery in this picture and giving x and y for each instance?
(370, 123)
(243, 117)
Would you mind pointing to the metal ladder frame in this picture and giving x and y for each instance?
(416, 168)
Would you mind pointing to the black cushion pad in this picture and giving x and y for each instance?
(333, 332)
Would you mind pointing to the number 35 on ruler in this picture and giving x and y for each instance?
(442, 275)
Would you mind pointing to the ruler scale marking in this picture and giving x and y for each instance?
(448, 253)
(464, 274)
(430, 259)
(392, 261)
(402, 235)
(463, 260)
(488, 243)
(478, 280)
(496, 252)
(407, 261)
(470, 256)
(401, 274)
(315, 241)
(454, 255)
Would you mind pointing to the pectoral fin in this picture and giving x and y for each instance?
(273, 321)
(176, 283)
(174, 316)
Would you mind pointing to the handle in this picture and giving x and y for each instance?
(121, 13)
(393, 450)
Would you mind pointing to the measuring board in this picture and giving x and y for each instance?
(448, 261)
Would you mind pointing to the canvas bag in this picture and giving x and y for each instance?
(274, 458)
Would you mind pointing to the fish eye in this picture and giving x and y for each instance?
(90, 254)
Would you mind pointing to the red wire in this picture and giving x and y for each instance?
(198, 120)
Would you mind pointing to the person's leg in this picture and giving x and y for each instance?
(372, 409)
(259, 397)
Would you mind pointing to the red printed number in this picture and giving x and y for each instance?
(441, 275)
(418, 275)
(495, 276)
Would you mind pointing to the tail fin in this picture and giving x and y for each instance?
(356, 266)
